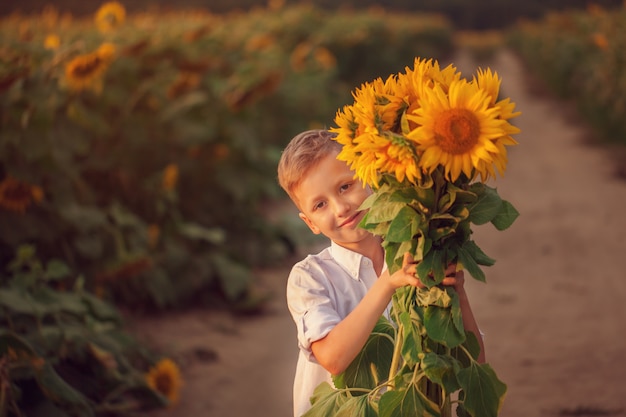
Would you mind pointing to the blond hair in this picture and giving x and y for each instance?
(302, 153)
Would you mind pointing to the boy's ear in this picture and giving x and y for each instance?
(309, 223)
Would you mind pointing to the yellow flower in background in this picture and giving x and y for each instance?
(305, 54)
(299, 55)
(17, 196)
(52, 42)
(457, 131)
(600, 41)
(260, 42)
(106, 52)
(165, 379)
(324, 58)
(85, 72)
(170, 177)
(110, 16)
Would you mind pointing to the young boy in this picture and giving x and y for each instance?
(337, 296)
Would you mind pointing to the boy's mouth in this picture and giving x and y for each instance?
(352, 220)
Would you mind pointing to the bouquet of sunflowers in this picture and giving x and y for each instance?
(426, 141)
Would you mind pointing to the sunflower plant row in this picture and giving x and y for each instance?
(425, 140)
(141, 149)
(137, 162)
(580, 55)
(66, 352)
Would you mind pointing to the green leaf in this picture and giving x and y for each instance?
(124, 217)
(473, 347)
(357, 407)
(461, 196)
(326, 401)
(424, 268)
(383, 211)
(477, 254)
(506, 216)
(404, 225)
(371, 366)
(440, 326)
(484, 392)
(198, 232)
(10, 340)
(470, 264)
(411, 339)
(183, 104)
(84, 218)
(61, 393)
(486, 207)
(234, 277)
(442, 370)
(19, 302)
(57, 270)
(101, 309)
(407, 402)
(55, 302)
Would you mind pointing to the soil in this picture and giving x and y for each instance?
(553, 308)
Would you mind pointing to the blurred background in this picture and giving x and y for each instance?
(139, 144)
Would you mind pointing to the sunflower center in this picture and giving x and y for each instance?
(163, 383)
(457, 131)
(87, 67)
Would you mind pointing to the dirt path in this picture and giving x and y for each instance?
(553, 310)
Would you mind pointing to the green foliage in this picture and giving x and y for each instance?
(64, 352)
(580, 56)
(153, 179)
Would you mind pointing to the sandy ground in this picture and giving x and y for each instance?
(553, 309)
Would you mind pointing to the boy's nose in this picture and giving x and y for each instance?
(342, 208)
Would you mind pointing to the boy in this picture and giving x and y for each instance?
(337, 296)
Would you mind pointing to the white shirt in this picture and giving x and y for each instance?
(322, 290)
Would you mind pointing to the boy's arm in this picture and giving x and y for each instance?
(343, 343)
(469, 322)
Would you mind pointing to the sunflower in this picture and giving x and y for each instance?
(165, 378)
(110, 16)
(52, 42)
(490, 81)
(462, 131)
(16, 195)
(367, 131)
(85, 72)
(170, 177)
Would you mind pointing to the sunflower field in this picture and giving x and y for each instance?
(138, 167)
(580, 55)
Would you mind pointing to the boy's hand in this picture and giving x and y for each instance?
(407, 275)
(454, 278)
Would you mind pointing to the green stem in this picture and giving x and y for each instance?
(395, 359)
(467, 352)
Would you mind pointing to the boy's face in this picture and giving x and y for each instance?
(329, 198)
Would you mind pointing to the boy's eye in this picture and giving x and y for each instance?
(344, 187)
(318, 206)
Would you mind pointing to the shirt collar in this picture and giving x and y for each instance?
(351, 261)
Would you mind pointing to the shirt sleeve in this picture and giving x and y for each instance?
(311, 301)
